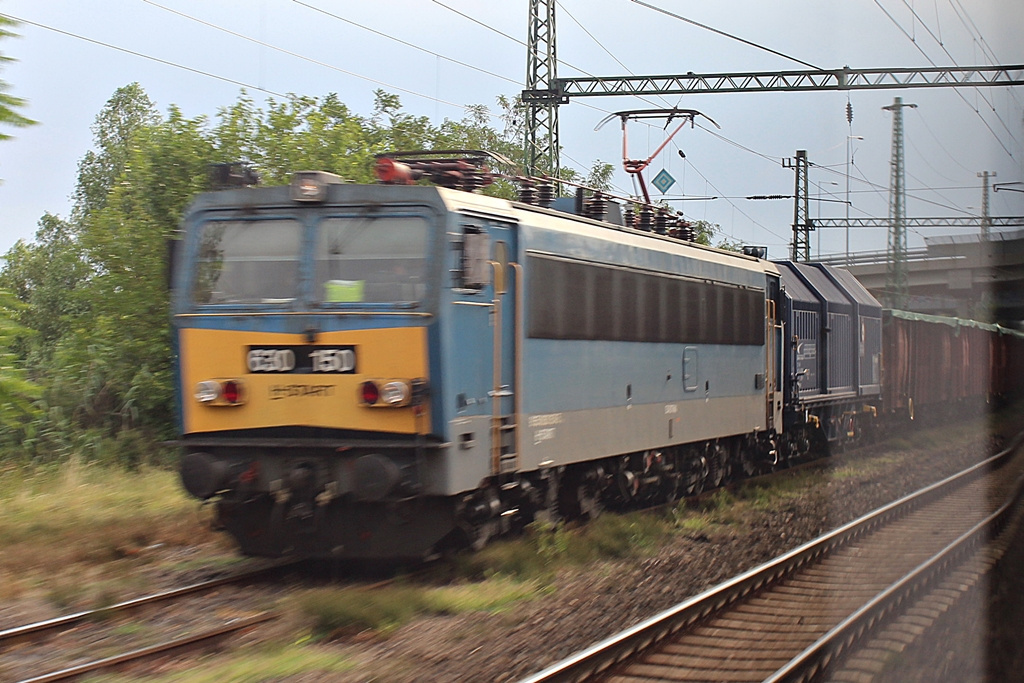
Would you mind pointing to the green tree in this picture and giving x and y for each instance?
(18, 395)
(128, 110)
(9, 103)
(116, 369)
(45, 275)
(704, 231)
(600, 176)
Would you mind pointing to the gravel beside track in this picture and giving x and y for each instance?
(592, 604)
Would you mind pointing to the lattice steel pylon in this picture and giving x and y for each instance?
(986, 220)
(541, 145)
(896, 286)
(802, 226)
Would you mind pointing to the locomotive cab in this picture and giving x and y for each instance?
(303, 318)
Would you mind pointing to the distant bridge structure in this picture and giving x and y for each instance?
(963, 275)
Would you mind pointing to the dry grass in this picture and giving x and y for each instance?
(65, 528)
(332, 611)
(263, 662)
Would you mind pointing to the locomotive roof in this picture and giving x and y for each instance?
(561, 221)
(248, 198)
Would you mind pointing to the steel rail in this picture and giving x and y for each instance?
(18, 633)
(603, 655)
(154, 650)
(813, 661)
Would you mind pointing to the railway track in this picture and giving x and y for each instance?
(40, 635)
(872, 584)
(201, 639)
(196, 632)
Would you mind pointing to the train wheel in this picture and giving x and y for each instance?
(590, 504)
(752, 455)
(578, 497)
(670, 478)
(694, 472)
(717, 466)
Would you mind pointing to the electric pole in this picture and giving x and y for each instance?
(849, 140)
(802, 226)
(541, 146)
(896, 287)
(986, 220)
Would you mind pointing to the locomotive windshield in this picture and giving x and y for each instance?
(246, 262)
(376, 259)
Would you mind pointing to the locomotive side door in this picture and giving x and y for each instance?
(487, 327)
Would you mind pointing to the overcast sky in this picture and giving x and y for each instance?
(66, 76)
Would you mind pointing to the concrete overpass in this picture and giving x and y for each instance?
(961, 275)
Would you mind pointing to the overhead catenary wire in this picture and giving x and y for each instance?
(973, 29)
(232, 81)
(727, 35)
(924, 121)
(784, 238)
(384, 35)
(141, 55)
(957, 64)
(956, 90)
(879, 188)
(602, 46)
(562, 62)
(317, 62)
(924, 158)
(361, 26)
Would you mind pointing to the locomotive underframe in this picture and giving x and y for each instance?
(352, 501)
(363, 502)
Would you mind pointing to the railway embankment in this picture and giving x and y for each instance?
(582, 596)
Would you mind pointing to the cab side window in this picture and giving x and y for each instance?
(474, 270)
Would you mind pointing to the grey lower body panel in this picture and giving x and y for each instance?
(564, 438)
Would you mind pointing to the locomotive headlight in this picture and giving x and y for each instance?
(311, 186)
(394, 393)
(207, 391)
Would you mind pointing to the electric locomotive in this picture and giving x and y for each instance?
(382, 371)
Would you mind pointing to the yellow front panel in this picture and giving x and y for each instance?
(306, 400)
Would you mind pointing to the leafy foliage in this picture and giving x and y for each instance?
(9, 103)
(17, 393)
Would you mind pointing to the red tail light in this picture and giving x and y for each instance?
(231, 391)
(369, 393)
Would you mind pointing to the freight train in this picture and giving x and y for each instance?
(382, 372)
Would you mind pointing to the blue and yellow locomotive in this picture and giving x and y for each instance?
(381, 371)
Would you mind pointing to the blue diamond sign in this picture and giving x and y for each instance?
(663, 181)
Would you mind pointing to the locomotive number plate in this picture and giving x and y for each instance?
(338, 360)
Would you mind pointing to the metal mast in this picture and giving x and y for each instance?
(986, 220)
(541, 148)
(896, 273)
(802, 226)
